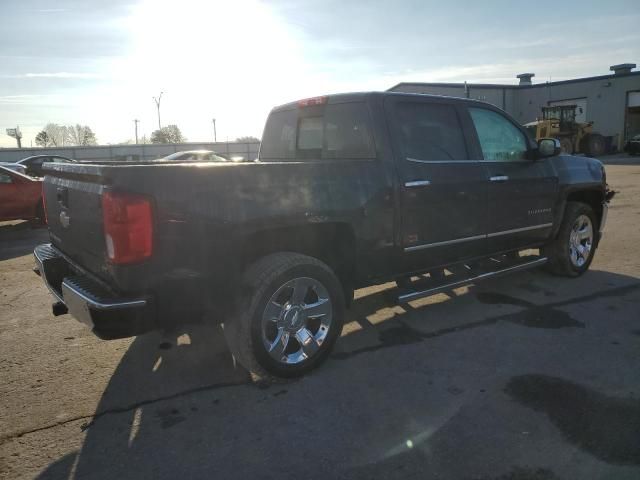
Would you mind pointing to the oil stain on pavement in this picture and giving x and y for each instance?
(533, 316)
(606, 427)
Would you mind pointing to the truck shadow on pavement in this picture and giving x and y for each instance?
(150, 422)
(20, 238)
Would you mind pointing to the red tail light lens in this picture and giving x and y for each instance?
(128, 227)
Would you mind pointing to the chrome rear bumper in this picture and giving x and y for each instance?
(108, 314)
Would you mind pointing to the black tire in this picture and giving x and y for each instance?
(593, 145)
(260, 281)
(566, 145)
(558, 251)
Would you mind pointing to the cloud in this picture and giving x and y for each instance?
(59, 75)
(63, 75)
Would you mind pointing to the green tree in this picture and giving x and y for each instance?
(42, 139)
(168, 134)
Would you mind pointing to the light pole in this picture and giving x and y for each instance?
(215, 135)
(157, 100)
(136, 121)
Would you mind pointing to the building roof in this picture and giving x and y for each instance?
(515, 86)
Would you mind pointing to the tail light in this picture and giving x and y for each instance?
(128, 227)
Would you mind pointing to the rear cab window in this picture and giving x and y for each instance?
(319, 132)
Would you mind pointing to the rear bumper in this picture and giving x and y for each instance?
(108, 314)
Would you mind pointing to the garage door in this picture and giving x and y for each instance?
(634, 99)
(581, 111)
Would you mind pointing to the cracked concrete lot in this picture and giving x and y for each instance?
(524, 377)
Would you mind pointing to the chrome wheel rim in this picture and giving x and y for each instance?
(581, 241)
(296, 320)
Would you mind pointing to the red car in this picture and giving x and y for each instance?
(20, 196)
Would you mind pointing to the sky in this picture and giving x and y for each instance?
(100, 62)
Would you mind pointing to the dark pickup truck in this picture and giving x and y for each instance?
(349, 190)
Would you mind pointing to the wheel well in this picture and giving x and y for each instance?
(593, 198)
(332, 243)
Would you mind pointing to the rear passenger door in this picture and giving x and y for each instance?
(521, 189)
(443, 193)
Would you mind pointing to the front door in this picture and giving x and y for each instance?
(442, 192)
(521, 190)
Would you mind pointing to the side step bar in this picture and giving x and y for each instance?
(408, 296)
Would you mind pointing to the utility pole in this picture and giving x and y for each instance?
(136, 121)
(215, 135)
(157, 100)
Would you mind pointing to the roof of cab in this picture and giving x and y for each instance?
(362, 96)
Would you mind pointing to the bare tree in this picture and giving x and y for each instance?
(168, 134)
(53, 135)
(81, 135)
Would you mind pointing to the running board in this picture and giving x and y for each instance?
(409, 295)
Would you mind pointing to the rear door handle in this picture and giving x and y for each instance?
(499, 178)
(417, 183)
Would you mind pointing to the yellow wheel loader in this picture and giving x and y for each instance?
(560, 122)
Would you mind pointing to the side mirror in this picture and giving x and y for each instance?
(548, 147)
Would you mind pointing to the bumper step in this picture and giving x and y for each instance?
(466, 274)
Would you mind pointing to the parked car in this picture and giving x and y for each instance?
(16, 167)
(196, 156)
(350, 190)
(632, 147)
(20, 196)
(33, 164)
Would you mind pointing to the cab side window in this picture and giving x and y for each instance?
(5, 178)
(430, 132)
(500, 140)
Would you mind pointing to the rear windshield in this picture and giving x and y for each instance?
(336, 131)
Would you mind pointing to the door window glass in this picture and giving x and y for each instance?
(279, 138)
(500, 139)
(430, 131)
(5, 178)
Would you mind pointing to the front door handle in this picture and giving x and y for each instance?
(499, 178)
(417, 183)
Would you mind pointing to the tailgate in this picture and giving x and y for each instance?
(73, 199)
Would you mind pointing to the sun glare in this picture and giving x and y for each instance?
(212, 59)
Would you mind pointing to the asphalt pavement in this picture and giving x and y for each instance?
(519, 378)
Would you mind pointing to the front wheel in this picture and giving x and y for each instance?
(289, 314)
(594, 145)
(566, 145)
(571, 252)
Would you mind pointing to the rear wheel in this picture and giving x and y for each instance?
(571, 253)
(289, 315)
